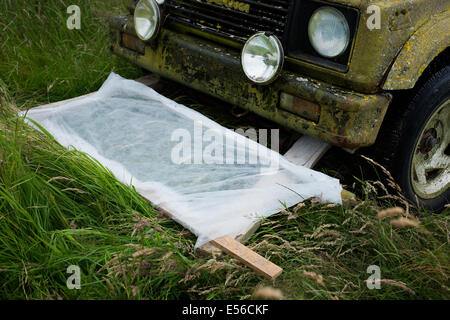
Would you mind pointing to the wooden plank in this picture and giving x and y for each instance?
(307, 151)
(149, 80)
(247, 256)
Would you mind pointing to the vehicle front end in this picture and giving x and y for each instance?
(334, 96)
(327, 69)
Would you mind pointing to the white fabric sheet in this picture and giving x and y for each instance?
(138, 134)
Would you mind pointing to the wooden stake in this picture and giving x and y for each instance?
(247, 256)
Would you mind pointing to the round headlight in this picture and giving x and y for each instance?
(328, 32)
(147, 18)
(262, 58)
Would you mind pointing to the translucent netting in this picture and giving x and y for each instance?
(202, 173)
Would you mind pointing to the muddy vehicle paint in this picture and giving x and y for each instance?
(389, 84)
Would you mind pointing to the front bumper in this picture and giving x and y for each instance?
(347, 119)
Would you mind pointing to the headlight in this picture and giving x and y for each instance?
(147, 18)
(262, 58)
(328, 32)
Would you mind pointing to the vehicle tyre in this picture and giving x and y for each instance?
(416, 142)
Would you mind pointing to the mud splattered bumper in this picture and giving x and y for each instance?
(347, 119)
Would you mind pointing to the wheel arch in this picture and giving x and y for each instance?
(425, 47)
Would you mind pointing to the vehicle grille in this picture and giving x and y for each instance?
(206, 15)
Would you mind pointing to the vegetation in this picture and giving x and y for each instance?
(60, 207)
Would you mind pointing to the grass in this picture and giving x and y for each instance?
(59, 207)
(43, 61)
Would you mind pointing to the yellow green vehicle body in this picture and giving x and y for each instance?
(343, 105)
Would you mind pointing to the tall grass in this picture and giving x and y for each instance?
(41, 60)
(59, 207)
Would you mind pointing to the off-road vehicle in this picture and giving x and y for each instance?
(353, 73)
